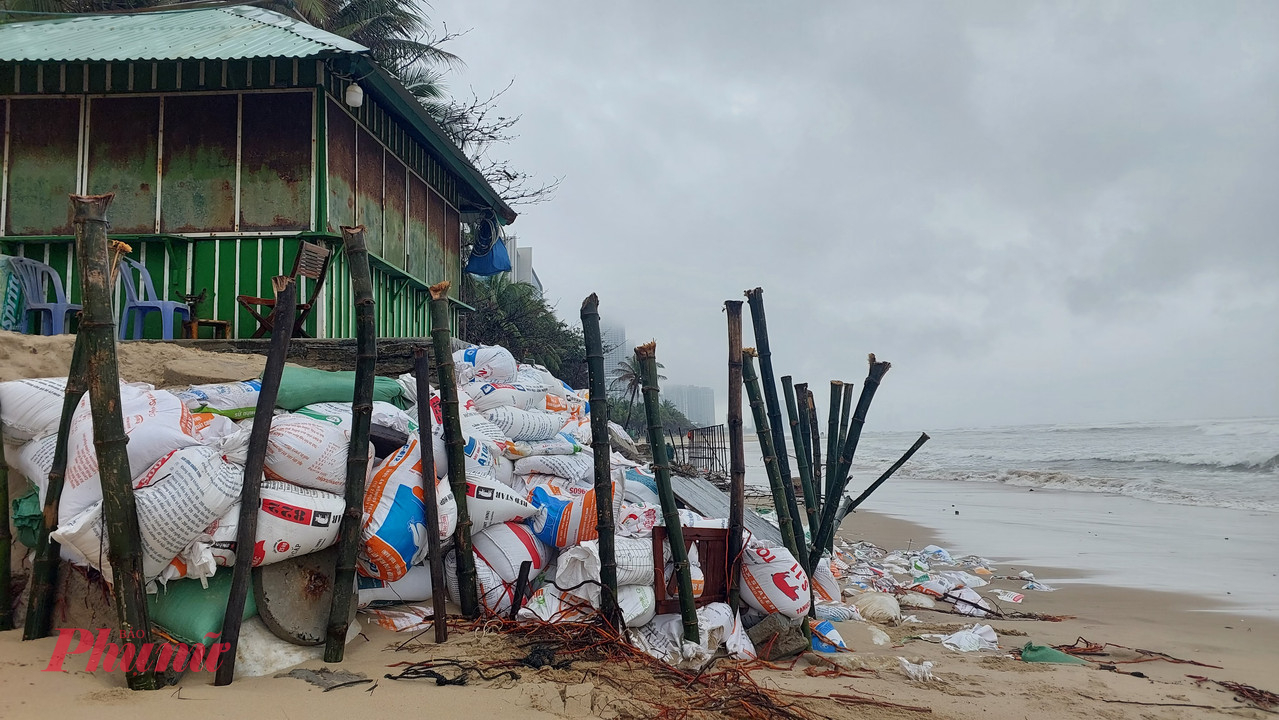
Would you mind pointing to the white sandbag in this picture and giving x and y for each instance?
(637, 520)
(31, 408)
(222, 434)
(236, 400)
(916, 600)
(477, 426)
(579, 466)
(538, 375)
(504, 471)
(481, 458)
(638, 604)
(568, 515)
(487, 363)
(773, 582)
(35, 459)
(968, 602)
(694, 571)
(518, 424)
(178, 498)
(309, 452)
(825, 586)
(560, 444)
(393, 531)
(156, 423)
(489, 395)
(878, 607)
(495, 595)
(384, 414)
(641, 485)
(580, 566)
(663, 638)
(490, 503)
(413, 587)
(506, 546)
(292, 521)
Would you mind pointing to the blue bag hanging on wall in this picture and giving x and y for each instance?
(488, 255)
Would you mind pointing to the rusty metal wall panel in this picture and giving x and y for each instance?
(275, 161)
(416, 237)
(123, 145)
(341, 168)
(453, 250)
(369, 189)
(44, 145)
(197, 191)
(435, 241)
(393, 208)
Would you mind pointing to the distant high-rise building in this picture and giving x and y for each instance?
(616, 350)
(695, 401)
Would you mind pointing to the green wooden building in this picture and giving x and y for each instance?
(228, 136)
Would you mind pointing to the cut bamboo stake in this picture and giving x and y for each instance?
(737, 452)
(6, 541)
(44, 568)
(647, 355)
(435, 554)
(598, 383)
(844, 413)
(826, 533)
(246, 532)
(801, 398)
(847, 505)
(751, 381)
(357, 454)
(814, 432)
(755, 299)
(832, 436)
(801, 456)
(119, 510)
(441, 338)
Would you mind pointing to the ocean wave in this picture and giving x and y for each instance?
(1254, 463)
(1242, 498)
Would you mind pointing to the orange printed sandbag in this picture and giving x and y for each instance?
(773, 582)
(393, 533)
(566, 514)
(309, 452)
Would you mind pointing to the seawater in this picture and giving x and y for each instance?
(1216, 463)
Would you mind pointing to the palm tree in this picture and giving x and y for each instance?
(627, 377)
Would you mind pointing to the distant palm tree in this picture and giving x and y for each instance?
(629, 378)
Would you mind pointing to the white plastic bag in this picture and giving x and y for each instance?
(878, 607)
(977, 637)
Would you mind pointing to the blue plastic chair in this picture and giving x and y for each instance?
(136, 306)
(36, 278)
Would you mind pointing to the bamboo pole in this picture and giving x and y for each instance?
(751, 381)
(737, 452)
(826, 534)
(44, 568)
(815, 442)
(454, 443)
(246, 530)
(806, 441)
(119, 510)
(844, 412)
(6, 545)
(801, 456)
(435, 554)
(647, 355)
(357, 454)
(832, 435)
(598, 383)
(851, 505)
(755, 299)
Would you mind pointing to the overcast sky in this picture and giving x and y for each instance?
(1060, 213)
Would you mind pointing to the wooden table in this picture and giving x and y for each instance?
(221, 328)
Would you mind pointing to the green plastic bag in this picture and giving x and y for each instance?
(301, 386)
(28, 516)
(189, 612)
(1031, 652)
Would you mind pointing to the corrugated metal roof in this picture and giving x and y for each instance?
(230, 33)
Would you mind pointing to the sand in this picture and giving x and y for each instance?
(989, 685)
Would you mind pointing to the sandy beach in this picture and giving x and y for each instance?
(969, 686)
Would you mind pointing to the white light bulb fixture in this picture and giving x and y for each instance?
(354, 95)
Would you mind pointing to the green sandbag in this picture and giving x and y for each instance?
(301, 386)
(1042, 654)
(28, 516)
(189, 612)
